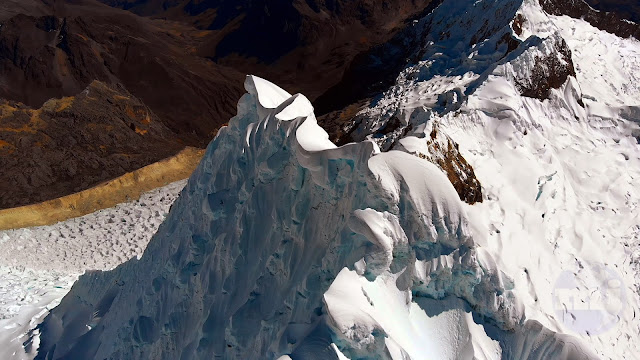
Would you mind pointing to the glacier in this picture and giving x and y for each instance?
(545, 110)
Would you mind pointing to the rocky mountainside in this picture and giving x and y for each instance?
(72, 143)
(98, 92)
(60, 54)
(304, 44)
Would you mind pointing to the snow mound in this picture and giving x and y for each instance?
(276, 237)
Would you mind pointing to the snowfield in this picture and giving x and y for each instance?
(39, 265)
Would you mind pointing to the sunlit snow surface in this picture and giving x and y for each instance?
(565, 195)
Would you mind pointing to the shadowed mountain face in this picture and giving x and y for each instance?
(137, 90)
(72, 143)
(304, 44)
(60, 54)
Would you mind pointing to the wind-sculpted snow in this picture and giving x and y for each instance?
(273, 214)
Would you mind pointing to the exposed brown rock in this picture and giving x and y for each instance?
(511, 43)
(61, 54)
(74, 143)
(11, 8)
(549, 72)
(517, 23)
(444, 153)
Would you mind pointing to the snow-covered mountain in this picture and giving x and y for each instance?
(283, 245)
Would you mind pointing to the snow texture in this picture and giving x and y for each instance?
(559, 174)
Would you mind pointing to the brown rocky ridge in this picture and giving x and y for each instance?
(70, 144)
(550, 71)
(445, 153)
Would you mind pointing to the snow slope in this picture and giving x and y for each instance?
(39, 265)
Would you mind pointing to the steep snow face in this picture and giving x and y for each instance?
(461, 41)
(277, 242)
(574, 160)
(559, 164)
